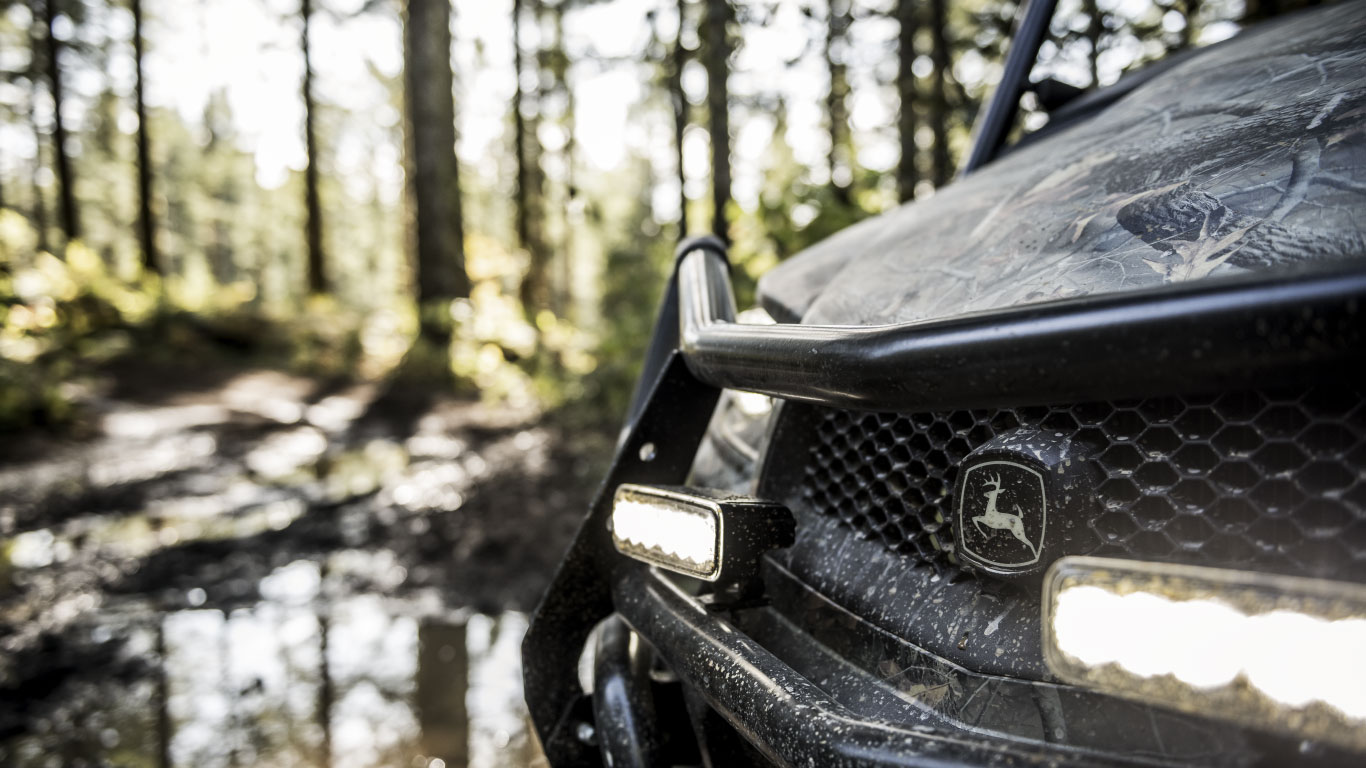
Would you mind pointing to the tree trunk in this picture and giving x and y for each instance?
(317, 276)
(146, 224)
(519, 137)
(680, 106)
(534, 291)
(560, 296)
(717, 61)
(906, 174)
(70, 215)
(327, 693)
(40, 221)
(940, 164)
(1094, 29)
(839, 16)
(434, 171)
(1190, 9)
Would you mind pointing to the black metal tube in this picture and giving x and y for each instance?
(623, 708)
(991, 128)
(1202, 336)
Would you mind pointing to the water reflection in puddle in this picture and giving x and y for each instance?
(352, 682)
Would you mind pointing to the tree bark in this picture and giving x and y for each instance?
(1094, 29)
(434, 171)
(146, 223)
(534, 291)
(561, 295)
(70, 214)
(317, 275)
(839, 16)
(906, 174)
(717, 62)
(940, 163)
(40, 221)
(522, 215)
(680, 107)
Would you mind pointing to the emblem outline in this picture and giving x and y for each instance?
(1043, 517)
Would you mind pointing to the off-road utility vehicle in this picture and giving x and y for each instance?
(1063, 465)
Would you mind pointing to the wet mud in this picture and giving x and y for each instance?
(246, 567)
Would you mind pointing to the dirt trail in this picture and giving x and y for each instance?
(247, 566)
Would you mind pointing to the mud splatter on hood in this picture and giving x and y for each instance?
(1250, 155)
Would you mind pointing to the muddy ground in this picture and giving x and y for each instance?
(238, 566)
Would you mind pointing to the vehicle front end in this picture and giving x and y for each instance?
(1065, 465)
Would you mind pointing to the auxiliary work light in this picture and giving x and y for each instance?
(704, 534)
(1270, 651)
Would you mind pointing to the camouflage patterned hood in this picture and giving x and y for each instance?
(1250, 155)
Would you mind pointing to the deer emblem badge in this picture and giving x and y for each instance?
(1002, 521)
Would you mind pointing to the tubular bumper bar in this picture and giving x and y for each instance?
(1202, 336)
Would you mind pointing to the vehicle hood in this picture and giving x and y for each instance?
(1250, 155)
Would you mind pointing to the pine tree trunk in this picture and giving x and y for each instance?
(940, 164)
(906, 173)
(1094, 29)
(521, 214)
(717, 61)
(564, 284)
(70, 215)
(534, 292)
(40, 221)
(680, 106)
(146, 224)
(839, 16)
(317, 276)
(1191, 10)
(433, 169)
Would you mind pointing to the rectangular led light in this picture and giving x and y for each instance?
(1269, 651)
(700, 533)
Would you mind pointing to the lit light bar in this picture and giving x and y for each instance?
(705, 534)
(1268, 651)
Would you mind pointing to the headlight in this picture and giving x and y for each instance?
(1270, 651)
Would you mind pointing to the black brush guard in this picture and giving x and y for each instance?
(1286, 329)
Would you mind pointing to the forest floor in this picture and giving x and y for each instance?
(232, 565)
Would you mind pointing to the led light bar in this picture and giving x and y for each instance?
(700, 533)
(1268, 651)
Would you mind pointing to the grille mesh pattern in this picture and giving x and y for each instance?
(1248, 479)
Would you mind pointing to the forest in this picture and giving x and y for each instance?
(318, 317)
(438, 195)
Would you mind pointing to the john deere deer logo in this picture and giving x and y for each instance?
(1002, 515)
(1002, 521)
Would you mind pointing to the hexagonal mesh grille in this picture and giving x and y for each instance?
(1275, 481)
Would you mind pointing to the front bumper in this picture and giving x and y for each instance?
(794, 721)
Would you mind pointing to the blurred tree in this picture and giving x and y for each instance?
(559, 69)
(840, 160)
(433, 168)
(906, 174)
(146, 224)
(70, 215)
(317, 276)
(716, 50)
(679, 100)
(534, 291)
(40, 220)
(521, 190)
(941, 169)
(1095, 29)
